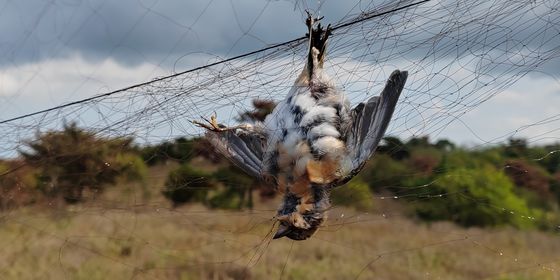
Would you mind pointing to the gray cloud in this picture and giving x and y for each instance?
(134, 31)
(163, 32)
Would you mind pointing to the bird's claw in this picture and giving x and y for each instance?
(211, 124)
(310, 21)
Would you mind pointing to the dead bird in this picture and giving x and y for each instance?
(312, 141)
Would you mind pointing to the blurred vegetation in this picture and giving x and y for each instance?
(356, 194)
(236, 191)
(187, 184)
(73, 160)
(180, 149)
(476, 197)
(514, 183)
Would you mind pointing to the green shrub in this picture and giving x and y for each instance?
(180, 149)
(236, 189)
(355, 194)
(476, 197)
(462, 159)
(425, 161)
(384, 172)
(133, 167)
(226, 198)
(17, 185)
(73, 160)
(187, 184)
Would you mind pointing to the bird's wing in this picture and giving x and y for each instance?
(370, 120)
(244, 150)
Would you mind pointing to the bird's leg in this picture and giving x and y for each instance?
(310, 22)
(317, 43)
(213, 125)
(323, 44)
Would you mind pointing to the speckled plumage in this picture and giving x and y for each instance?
(311, 142)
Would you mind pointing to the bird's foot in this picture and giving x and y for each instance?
(213, 125)
(317, 43)
(310, 21)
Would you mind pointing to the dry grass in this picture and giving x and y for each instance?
(141, 237)
(193, 243)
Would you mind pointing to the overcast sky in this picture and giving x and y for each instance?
(57, 51)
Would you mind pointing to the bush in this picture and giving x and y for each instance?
(425, 160)
(355, 194)
(393, 147)
(466, 159)
(383, 172)
(236, 191)
(555, 185)
(133, 167)
(187, 184)
(17, 185)
(73, 160)
(476, 197)
(181, 150)
(525, 175)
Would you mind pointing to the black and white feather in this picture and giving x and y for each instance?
(311, 142)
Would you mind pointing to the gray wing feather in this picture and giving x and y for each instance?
(370, 120)
(244, 150)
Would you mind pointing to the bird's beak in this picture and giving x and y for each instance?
(282, 231)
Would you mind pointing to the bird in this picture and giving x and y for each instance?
(312, 142)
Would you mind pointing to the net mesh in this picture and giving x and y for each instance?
(459, 54)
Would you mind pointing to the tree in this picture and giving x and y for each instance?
(187, 184)
(73, 160)
(180, 149)
(237, 192)
(394, 147)
(17, 185)
(476, 197)
(516, 147)
(525, 175)
(262, 109)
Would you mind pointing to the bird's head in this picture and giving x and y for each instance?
(300, 218)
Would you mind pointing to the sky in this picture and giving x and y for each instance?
(53, 52)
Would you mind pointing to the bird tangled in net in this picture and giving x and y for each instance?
(312, 141)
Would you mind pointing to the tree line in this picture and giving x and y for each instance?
(513, 183)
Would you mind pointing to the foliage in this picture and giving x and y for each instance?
(393, 147)
(180, 149)
(236, 192)
(355, 194)
(549, 158)
(516, 148)
(439, 181)
(476, 197)
(261, 109)
(528, 176)
(187, 184)
(74, 160)
(425, 160)
(555, 185)
(384, 172)
(17, 185)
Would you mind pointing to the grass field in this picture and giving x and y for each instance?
(133, 233)
(194, 243)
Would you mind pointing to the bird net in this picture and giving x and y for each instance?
(459, 54)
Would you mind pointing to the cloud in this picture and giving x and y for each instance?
(516, 112)
(49, 83)
(133, 32)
